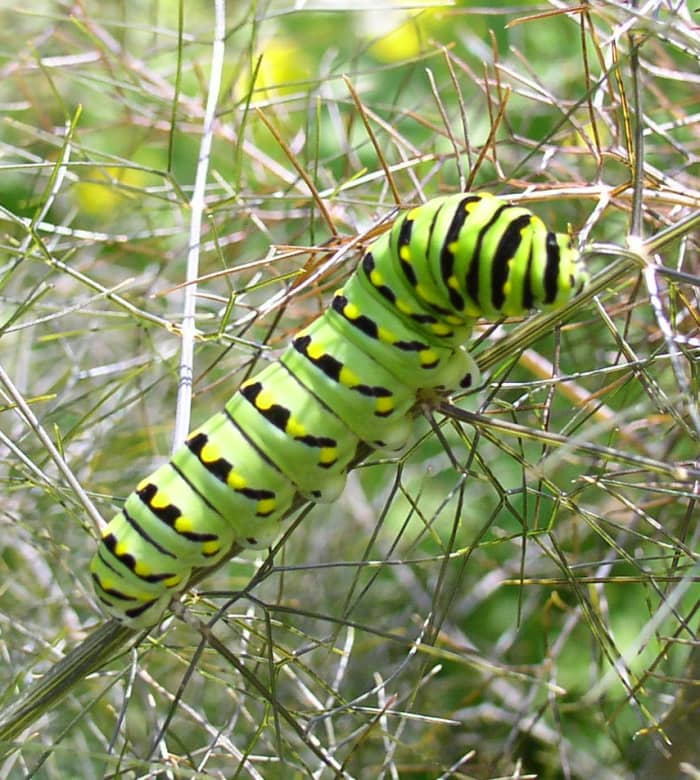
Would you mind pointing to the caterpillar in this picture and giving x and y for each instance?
(396, 329)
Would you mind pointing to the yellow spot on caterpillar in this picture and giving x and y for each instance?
(159, 500)
(134, 595)
(403, 307)
(385, 335)
(426, 294)
(106, 584)
(236, 481)
(209, 453)
(376, 278)
(405, 253)
(384, 406)
(264, 400)
(348, 377)
(428, 358)
(142, 484)
(295, 428)
(266, 506)
(453, 319)
(172, 582)
(315, 350)
(210, 548)
(471, 311)
(351, 311)
(142, 570)
(120, 549)
(328, 455)
(183, 524)
(472, 206)
(440, 329)
(453, 282)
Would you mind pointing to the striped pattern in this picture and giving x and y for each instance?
(397, 329)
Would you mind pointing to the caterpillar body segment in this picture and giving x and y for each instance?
(246, 487)
(417, 361)
(311, 445)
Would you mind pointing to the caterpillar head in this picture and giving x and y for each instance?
(572, 275)
(554, 272)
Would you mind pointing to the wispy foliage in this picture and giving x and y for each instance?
(517, 595)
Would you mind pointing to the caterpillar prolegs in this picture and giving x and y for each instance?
(397, 328)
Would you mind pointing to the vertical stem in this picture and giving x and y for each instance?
(638, 140)
(184, 391)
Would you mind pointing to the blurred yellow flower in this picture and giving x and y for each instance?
(283, 65)
(100, 191)
(401, 40)
(400, 44)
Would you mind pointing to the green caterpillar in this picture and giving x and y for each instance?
(397, 328)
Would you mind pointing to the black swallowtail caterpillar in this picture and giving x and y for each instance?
(396, 329)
